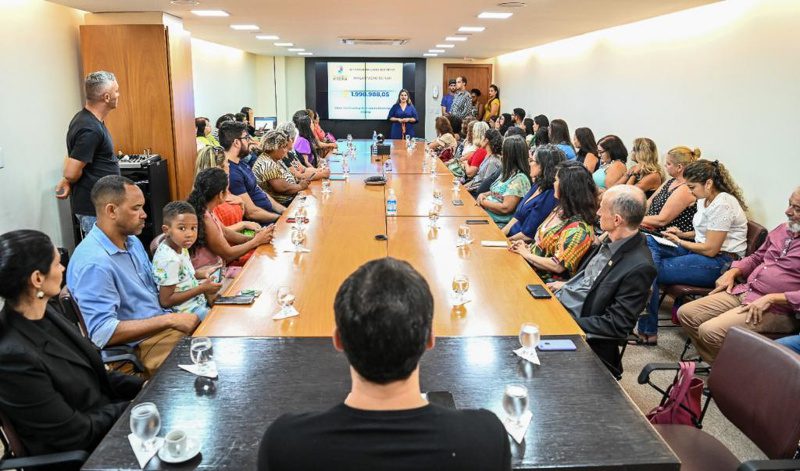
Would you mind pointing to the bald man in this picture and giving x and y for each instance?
(765, 299)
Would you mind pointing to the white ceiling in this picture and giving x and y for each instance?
(315, 25)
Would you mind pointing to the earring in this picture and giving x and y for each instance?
(40, 294)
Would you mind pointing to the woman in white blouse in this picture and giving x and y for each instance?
(698, 257)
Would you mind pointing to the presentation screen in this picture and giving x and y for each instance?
(363, 90)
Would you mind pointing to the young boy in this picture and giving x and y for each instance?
(172, 266)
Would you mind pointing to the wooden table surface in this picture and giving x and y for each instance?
(341, 236)
(362, 163)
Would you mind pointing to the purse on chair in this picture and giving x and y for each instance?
(682, 406)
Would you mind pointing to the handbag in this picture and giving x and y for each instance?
(682, 406)
(456, 168)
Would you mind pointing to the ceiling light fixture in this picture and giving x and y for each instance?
(245, 27)
(210, 13)
(489, 15)
(295, 49)
(445, 45)
(436, 50)
(305, 53)
(267, 37)
(284, 44)
(455, 38)
(471, 29)
(427, 54)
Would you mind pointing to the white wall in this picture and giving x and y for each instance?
(224, 79)
(723, 77)
(39, 42)
(295, 85)
(434, 75)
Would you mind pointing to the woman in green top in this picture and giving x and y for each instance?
(512, 185)
(204, 136)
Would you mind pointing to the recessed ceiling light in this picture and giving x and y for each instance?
(455, 38)
(445, 45)
(471, 29)
(284, 44)
(295, 49)
(427, 54)
(210, 13)
(305, 53)
(267, 37)
(495, 15)
(245, 27)
(184, 2)
(436, 50)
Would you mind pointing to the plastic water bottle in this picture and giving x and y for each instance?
(391, 203)
(374, 137)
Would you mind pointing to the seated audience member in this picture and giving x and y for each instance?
(493, 121)
(541, 137)
(242, 118)
(518, 117)
(222, 119)
(610, 289)
(647, 173)
(249, 116)
(111, 279)
(587, 148)
(527, 124)
(492, 106)
(673, 204)
(294, 162)
(515, 131)
(491, 166)
(566, 234)
(541, 198)
(540, 121)
(559, 136)
(324, 140)
(473, 162)
(178, 287)
(456, 124)
(258, 206)
(445, 143)
(767, 300)
(466, 124)
(613, 155)
(204, 136)
(504, 121)
(699, 256)
(513, 183)
(306, 144)
(271, 173)
(214, 240)
(384, 315)
(55, 390)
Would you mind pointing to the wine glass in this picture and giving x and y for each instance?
(529, 337)
(515, 402)
(298, 237)
(464, 234)
(460, 287)
(285, 299)
(145, 424)
(202, 352)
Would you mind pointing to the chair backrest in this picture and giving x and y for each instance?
(756, 235)
(756, 383)
(70, 309)
(10, 439)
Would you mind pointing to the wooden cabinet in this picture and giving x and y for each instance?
(153, 66)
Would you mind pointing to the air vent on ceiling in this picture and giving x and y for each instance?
(373, 41)
(511, 4)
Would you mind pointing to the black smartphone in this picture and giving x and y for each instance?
(458, 203)
(477, 221)
(538, 292)
(216, 275)
(441, 398)
(235, 300)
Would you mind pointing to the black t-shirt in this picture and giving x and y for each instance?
(88, 140)
(428, 438)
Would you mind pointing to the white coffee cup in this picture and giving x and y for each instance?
(175, 442)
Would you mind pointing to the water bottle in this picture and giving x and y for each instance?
(374, 137)
(387, 166)
(391, 203)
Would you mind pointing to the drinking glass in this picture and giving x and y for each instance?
(300, 216)
(456, 184)
(298, 237)
(202, 352)
(437, 196)
(285, 298)
(515, 402)
(464, 234)
(433, 215)
(349, 140)
(145, 424)
(460, 287)
(529, 337)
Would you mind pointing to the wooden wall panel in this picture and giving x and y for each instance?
(181, 86)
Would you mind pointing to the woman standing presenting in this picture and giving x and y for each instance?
(403, 115)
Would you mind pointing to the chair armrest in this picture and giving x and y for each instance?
(769, 465)
(644, 376)
(620, 340)
(122, 353)
(76, 456)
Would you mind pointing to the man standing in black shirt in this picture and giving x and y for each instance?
(90, 152)
(384, 312)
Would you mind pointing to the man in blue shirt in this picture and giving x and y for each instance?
(258, 205)
(111, 278)
(447, 100)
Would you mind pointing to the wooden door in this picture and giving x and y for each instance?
(478, 76)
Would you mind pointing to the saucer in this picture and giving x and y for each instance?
(192, 449)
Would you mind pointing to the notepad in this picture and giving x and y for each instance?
(663, 241)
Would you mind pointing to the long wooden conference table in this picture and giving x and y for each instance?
(341, 236)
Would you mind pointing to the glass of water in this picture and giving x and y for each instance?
(460, 287)
(285, 298)
(515, 402)
(326, 185)
(437, 196)
(202, 352)
(298, 237)
(529, 337)
(433, 216)
(456, 184)
(349, 140)
(145, 424)
(464, 236)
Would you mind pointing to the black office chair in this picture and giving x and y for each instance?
(111, 354)
(16, 457)
(620, 343)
